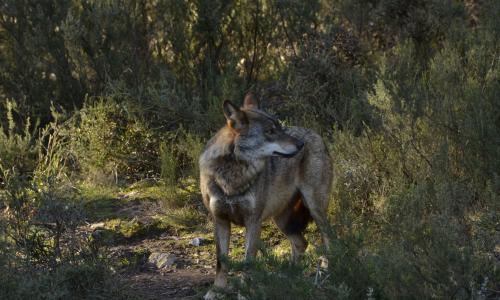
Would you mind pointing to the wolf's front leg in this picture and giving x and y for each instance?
(252, 238)
(222, 235)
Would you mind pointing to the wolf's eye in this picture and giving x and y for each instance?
(270, 130)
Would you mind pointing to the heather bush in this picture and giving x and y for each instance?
(110, 144)
(327, 83)
(416, 195)
(18, 145)
(43, 256)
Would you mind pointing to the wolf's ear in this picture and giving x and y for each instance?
(251, 101)
(234, 116)
(229, 109)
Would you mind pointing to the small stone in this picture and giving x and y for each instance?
(97, 225)
(197, 242)
(128, 195)
(162, 260)
(323, 262)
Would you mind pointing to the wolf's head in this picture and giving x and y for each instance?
(257, 134)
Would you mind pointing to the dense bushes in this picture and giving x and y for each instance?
(18, 145)
(328, 83)
(43, 255)
(420, 192)
(109, 142)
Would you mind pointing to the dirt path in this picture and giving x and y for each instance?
(135, 228)
(190, 273)
(177, 284)
(187, 275)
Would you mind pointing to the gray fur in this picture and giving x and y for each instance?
(242, 183)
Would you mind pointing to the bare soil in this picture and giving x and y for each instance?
(177, 284)
(188, 278)
(192, 273)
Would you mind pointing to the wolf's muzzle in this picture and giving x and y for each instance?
(299, 146)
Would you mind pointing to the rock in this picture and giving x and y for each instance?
(197, 241)
(162, 260)
(241, 297)
(128, 195)
(323, 262)
(97, 225)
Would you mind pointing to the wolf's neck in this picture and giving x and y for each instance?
(235, 176)
(231, 173)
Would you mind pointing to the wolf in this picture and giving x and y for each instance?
(254, 169)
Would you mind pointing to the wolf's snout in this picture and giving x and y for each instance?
(291, 149)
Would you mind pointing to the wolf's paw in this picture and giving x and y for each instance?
(321, 270)
(210, 295)
(323, 262)
(241, 297)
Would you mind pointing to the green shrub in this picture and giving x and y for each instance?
(111, 144)
(42, 254)
(266, 278)
(413, 198)
(191, 146)
(18, 145)
(169, 164)
(81, 281)
(327, 81)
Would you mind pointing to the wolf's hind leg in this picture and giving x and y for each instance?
(299, 245)
(292, 222)
(316, 201)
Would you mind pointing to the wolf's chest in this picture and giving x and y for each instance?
(236, 209)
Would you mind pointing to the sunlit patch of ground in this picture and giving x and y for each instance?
(134, 222)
